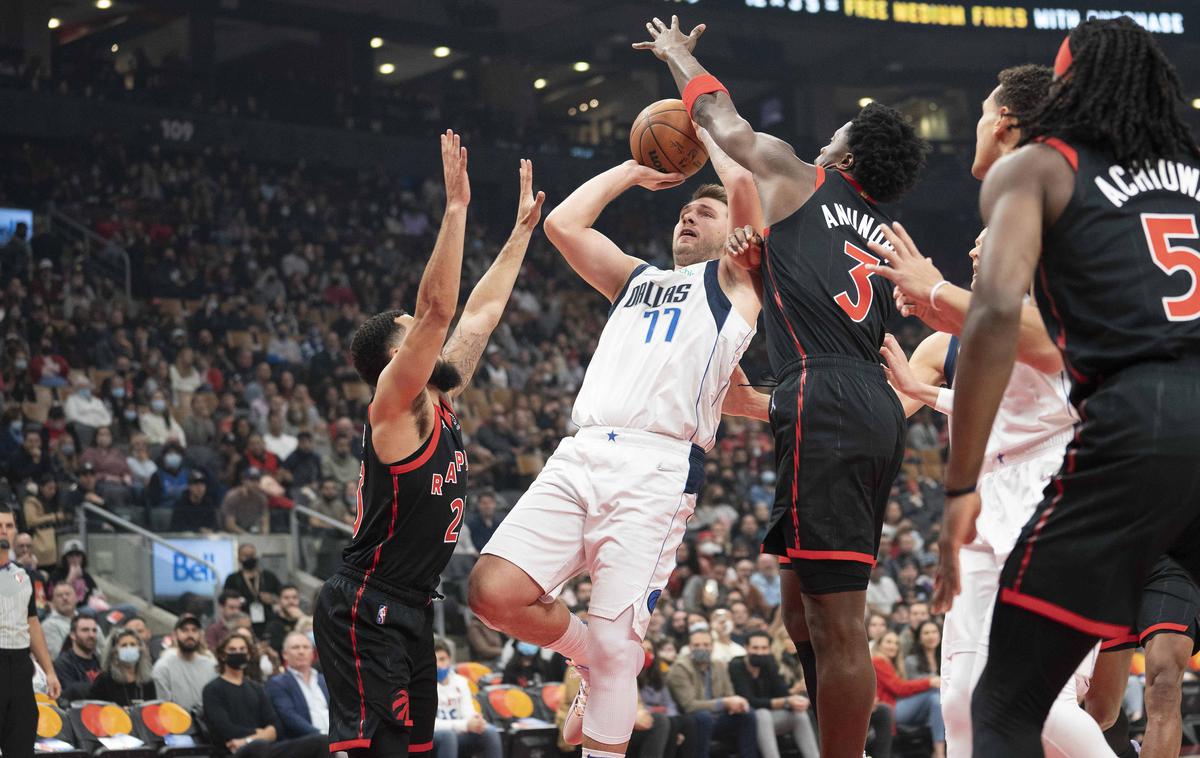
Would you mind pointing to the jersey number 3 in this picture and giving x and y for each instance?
(1158, 227)
(859, 306)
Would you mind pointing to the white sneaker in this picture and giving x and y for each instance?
(572, 731)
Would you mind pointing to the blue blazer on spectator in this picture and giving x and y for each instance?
(290, 705)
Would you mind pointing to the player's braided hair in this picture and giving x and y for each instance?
(1120, 95)
(888, 152)
(371, 343)
(1022, 90)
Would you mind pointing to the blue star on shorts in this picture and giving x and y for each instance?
(612, 436)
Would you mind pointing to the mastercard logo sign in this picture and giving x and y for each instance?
(166, 718)
(49, 722)
(105, 720)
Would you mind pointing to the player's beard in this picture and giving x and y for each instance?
(445, 376)
(694, 253)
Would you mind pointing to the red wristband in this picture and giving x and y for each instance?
(705, 84)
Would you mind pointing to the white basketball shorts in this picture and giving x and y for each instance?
(613, 503)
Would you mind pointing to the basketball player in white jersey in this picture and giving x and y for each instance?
(614, 499)
(1032, 428)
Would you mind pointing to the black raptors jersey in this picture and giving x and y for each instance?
(1117, 283)
(409, 512)
(820, 299)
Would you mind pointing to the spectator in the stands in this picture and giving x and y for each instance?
(724, 649)
(72, 569)
(31, 461)
(141, 465)
(766, 579)
(277, 440)
(484, 521)
(181, 672)
(701, 687)
(299, 694)
(882, 593)
(196, 511)
(656, 696)
(304, 463)
(918, 614)
(57, 625)
(343, 465)
(199, 428)
(240, 713)
(158, 423)
(229, 615)
(244, 509)
(259, 457)
(486, 644)
(286, 617)
(526, 668)
(43, 517)
(170, 482)
(49, 368)
(86, 411)
(138, 626)
(126, 674)
(185, 379)
(756, 678)
(22, 548)
(914, 702)
(877, 625)
(259, 587)
(458, 726)
(926, 657)
(77, 665)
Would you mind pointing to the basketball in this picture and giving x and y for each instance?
(662, 138)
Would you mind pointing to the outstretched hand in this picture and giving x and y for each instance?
(529, 206)
(912, 272)
(664, 38)
(454, 170)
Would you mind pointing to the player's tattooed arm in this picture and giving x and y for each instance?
(595, 257)
(485, 306)
(784, 181)
(743, 400)
(409, 370)
(917, 381)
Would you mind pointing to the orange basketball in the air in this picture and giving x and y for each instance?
(662, 138)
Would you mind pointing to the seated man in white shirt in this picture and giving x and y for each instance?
(83, 409)
(299, 694)
(459, 729)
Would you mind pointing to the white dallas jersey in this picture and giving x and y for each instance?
(1035, 408)
(664, 358)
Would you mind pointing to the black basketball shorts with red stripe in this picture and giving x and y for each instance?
(376, 650)
(839, 443)
(1127, 494)
(1170, 604)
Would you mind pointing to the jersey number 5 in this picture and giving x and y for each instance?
(858, 307)
(1158, 227)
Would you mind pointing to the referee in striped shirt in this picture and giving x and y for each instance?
(20, 632)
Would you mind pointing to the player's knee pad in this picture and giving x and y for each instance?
(613, 648)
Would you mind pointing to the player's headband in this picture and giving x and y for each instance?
(1062, 61)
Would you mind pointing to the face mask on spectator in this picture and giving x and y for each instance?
(68, 450)
(237, 660)
(527, 648)
(129, 655)
(173, 460)
(250, 564)
(21, 364)
(15, 428)
(85, 393)
(443, 673)
(158, 405)
(130, 414)
(761, 661)
(118, 392)
(701, 656)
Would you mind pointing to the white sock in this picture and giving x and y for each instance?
(573, 642)
(588, 753)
